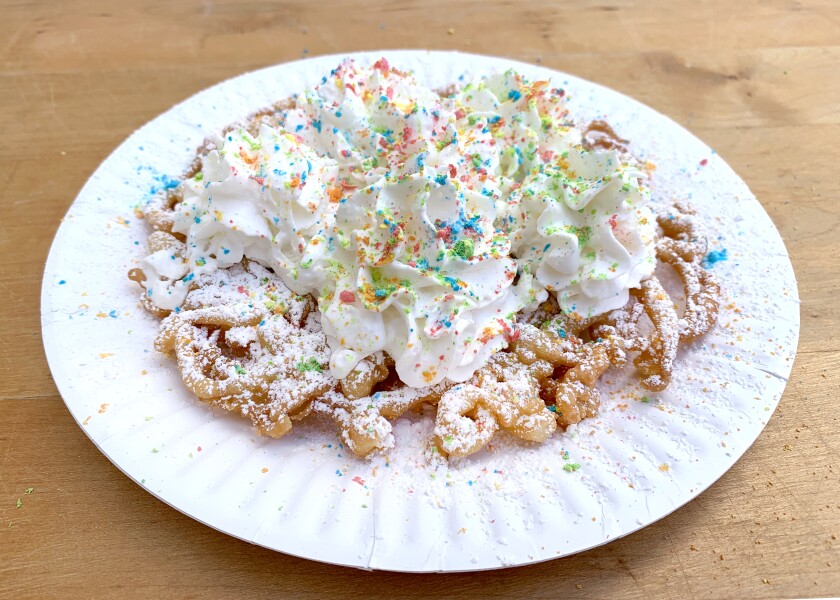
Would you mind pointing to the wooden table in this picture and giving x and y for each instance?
(759, 81)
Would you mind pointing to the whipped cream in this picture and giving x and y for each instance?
(263, 198)
(369, 120)
(582, 227)
(418, 269)
(409, 216)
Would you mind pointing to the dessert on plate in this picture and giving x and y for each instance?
(372, 246)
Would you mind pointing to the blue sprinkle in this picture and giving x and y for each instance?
(197, 219)
(317, 125)
(61, 282)
(514, 95)
(441, 179)
(163, 183)
(338, 113)
(714, 257)
(299, 127)
(113, 314)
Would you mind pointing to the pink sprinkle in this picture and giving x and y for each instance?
(199, 448)
(704, 162)
(359, 480)
(347, 297)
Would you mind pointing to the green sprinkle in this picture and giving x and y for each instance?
(239, 370)
(253, 143)
(19, 503)
(149, 418)
(199, 176)
(645, 399)
(571, 467)
(310, 364)
(29, 491)
(583, 233)
(155, 450)
(464, 249)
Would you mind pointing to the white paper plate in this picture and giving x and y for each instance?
(509, 505)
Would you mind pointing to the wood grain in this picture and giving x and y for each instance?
(758, 80)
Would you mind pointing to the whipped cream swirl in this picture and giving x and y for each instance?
(582, 226)
(417, 268)
(263, 198)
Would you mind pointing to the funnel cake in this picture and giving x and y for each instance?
(370, 247)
